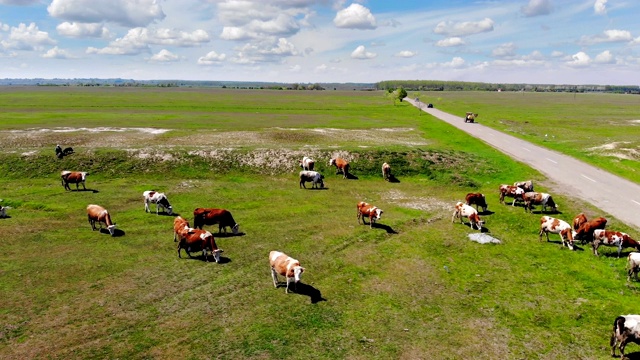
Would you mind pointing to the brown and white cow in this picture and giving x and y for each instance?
(367, 210)
(286, 266)
(463, 210)
(341, 164)
(527, 186)
(536, 198)
(160, 199)
(476, 199)
(209, 216)
(307, 163)
(613, 238)
(626, 329)
(386, 171)
(584, 233)
(96, 213)
(313, 177)
(199, 240)
(511, 191)
(556, 226)
(180, 228)
(73, 177)
(633, 265)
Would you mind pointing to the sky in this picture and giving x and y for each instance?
(595, 42)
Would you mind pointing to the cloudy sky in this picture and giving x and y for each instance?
(307, 41)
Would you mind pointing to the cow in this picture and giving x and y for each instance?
(199, 240)
(386, 171)
(511, 191)
(626, 329)
(536, 198)
(96, 213)
(73, 177)
(584, 233)
(160, 199)
(579, 220)
(180, 227)
(311, 176)
(209, 216)
(59, 152)
(556, 226)
(307, 163)
(67, 151)
(613, 238)
(464, 210)
(286, 266)
(341, 164)
(527, 186)
(367, 210)
(476, 199)
(633, 265)
(3, 211)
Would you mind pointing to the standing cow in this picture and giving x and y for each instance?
(556, 226)
(633, 265)
(286, 266)
(613, 238)
(180, 228)
(527, 186)
(199, 240)
(477, 199)
(584, 233)
(386, 171)
(341, 164)
(96, 213)
(367, 210)
(209, 216)
(73, 177)
(160, 199)
(626, 329)
(307, 163)
(313, 177)
(462, 210)
(536, 198)
(510, 191)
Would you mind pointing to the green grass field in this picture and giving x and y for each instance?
(413, 287)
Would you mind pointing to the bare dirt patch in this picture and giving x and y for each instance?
(418, 203)
(619, 149)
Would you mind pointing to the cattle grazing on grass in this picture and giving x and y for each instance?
(626, 329)
(511, 191)
(463, 210)
(313, 177)
(209, 216)
(67, 151)
(556, 226)
(341, 164)
(476, 199)
(73, 177)
(613, 238)
(193, 240)
(584, 233)
(160, 199)
(59, 153)
(96, 213)
(307, 163)
(286, 266)
(527, 186)
(367, 210)
(633, 265)
(180, 228)
(386, 171)
(536, 198)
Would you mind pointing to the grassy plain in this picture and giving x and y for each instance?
(412, 287)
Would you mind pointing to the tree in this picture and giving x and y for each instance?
(402, 93)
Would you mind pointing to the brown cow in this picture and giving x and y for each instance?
(613, 238)
(477, 199)
(286, 266)
(536, 198)
(96, 213)
(511, 191)
(579, 220)
(209, 216)
(73, 177)
(199, 240)
(180, 227)
(585, 231)
(341, 164)
(367, 210)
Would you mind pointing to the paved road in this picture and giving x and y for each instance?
(610, 193)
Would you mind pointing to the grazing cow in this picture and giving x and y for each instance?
(633, 265)
(341, 164)
(585, 231)
(536, 198)
(464, 210)
(367, 210)
(209, 216)
(511, 191)
(311, 176)
(527, 186)
(180, 228)
(199, 240)
(73, 177)
(613, 238)
(386, 171)
(67, 151)
(579, 220)
(307, 163)
(476, 199)
(160, 199)
(626, 329)
(96, 213)
(286, 266)
(556, 226)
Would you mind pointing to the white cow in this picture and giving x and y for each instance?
(160, 199)
(557, 226)
(464, 210)
(633, 265)
(311, 176)
(307, 163)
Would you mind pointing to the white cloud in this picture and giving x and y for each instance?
(212, 58)
(124, 12)
(557, 54)
(607, 37)
(456, 62)
(406, 54)
(164, 56)
(449, 28)
(355, 16)
(537, 7)
(321, 68)
(504, 50)
(361, 53)
(26, 37)
(295, 68)
(579, 60)
(137, 40)
(80, 30)
(56, 53)
(449, 42)
(600, 7)
(604, 57)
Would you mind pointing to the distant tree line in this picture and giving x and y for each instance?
(435, 85)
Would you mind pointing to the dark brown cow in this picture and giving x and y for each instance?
(199, 240)
(73, 177)
(367, 210)
(613, 238)
(585, 231)
(536, 198)
(477, 199)
(341, 164)
(209, 216)
(511, 191)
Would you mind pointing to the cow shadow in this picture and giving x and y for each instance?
(487, 212)
(5, 217)
(387, 228)
(116, 232)
(322, 188)
(303, 289)
(86, 190)
(228, 235)
(208, 258)
(351, 177)
(393, 179)
(546, 212)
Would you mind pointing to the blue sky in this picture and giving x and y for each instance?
(307, 41)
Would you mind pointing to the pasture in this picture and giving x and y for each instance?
(414, 286)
